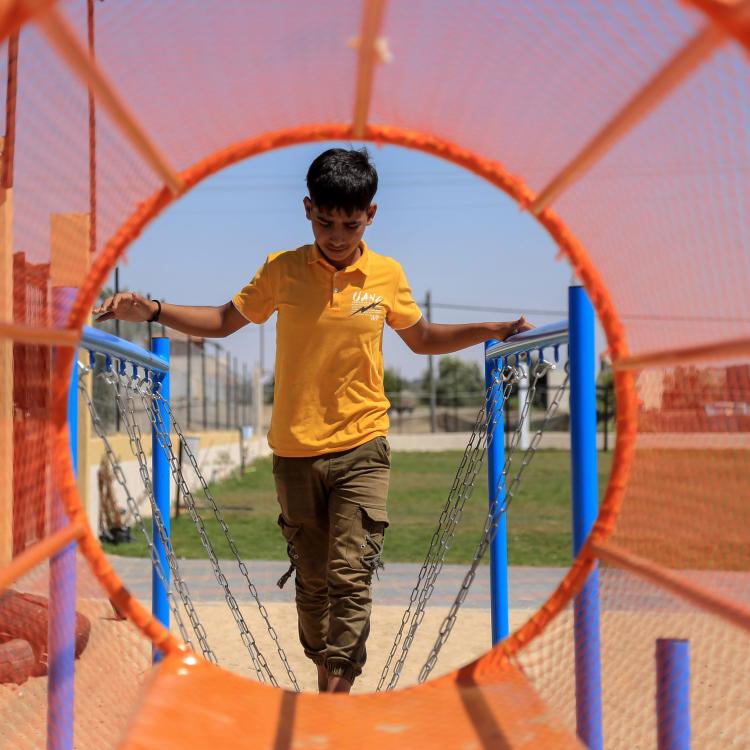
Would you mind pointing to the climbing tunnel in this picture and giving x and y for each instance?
(622, 127)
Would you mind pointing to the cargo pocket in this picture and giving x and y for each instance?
(289, 531)
(384, 448)
(365, 549)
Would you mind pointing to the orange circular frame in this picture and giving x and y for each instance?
(483, 668)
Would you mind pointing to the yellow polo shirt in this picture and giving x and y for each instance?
(328, 393)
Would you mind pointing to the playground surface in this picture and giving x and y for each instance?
(109, 681)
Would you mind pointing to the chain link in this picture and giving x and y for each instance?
(166, 443)
(132, 505)
(499, 506)
(134, 436)
(463, 486)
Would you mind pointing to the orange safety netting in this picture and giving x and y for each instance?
(623, 126)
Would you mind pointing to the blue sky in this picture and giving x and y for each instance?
(454, 234)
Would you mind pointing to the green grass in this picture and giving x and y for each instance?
(538, 519)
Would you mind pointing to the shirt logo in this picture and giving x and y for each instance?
(366, 303)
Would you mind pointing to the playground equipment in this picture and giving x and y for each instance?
(629, 118)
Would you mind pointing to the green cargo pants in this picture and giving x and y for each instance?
(333, 517)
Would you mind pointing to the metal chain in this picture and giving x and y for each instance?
(133, 508)
(496, 511)
(259, 663)
(166, 443)
(134, 436)
(462, 489)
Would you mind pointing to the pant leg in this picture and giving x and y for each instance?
(358, 518)
(303, 498)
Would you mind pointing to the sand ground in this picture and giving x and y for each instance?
(116, 662)
(470, 639)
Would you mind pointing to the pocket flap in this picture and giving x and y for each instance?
(289, 530)
(378, 515)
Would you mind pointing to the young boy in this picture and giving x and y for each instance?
(331, 459)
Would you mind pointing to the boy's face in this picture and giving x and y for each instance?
(338, 233)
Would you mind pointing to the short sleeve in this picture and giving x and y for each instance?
(257, 300)
(404, 312)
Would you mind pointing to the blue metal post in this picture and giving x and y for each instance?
(161, 482)
(585, 500)
(673, 694)
(61, 624)
(499, 546)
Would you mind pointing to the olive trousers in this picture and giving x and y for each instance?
(333, 517)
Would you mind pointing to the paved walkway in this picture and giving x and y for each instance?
(529, 587)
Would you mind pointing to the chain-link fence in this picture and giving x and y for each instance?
(412, 413)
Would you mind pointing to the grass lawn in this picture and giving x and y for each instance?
(538, 519)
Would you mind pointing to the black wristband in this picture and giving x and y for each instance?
(156, 315)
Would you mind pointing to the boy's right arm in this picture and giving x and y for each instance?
(205, 322)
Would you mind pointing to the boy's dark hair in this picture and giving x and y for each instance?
(343, 179)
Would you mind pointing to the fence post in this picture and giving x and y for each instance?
(606, 416)
(258, 402)
(69, 258)
(217, 388)
(585, 500)
(236, 390)
(495, 462)
(61, 625)
(189, 384)
(431, 368)
(161, 482)
(229, 389)
(245, 393)
(523, 391)
(673, 694)
(204, 398)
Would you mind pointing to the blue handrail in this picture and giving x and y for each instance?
(105, 343)
(552, 334)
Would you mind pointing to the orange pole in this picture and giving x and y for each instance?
(685, 355)
(695, 52)
(732, 15)
(92, 134)
(675, 583)
(32, 556)
(25, 334)
(63, 39)
(15, 13)
(10, 112)
(372, 20)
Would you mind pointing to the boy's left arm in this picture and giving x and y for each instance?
(441, 338)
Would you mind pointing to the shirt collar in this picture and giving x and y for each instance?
(362, 263)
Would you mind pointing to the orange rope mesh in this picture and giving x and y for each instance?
(654, 227)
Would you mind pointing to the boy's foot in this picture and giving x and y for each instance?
(322, 678)
(339, 684)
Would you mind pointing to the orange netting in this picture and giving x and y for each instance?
(622, 126)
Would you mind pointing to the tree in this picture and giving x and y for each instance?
(459, 383)
(393, 384)
(268, 386)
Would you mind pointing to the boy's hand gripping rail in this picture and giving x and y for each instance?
(552, 334)
(105, 343)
